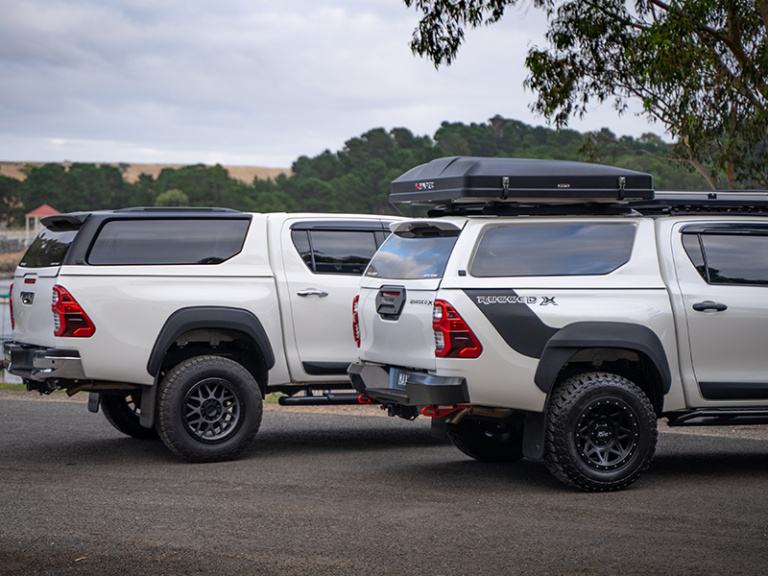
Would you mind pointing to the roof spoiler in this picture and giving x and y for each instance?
(65, 222)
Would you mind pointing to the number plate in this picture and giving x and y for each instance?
(397, 378)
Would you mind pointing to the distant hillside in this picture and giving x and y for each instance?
(131, 172)
(354, 178)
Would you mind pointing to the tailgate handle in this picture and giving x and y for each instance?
(390, 301)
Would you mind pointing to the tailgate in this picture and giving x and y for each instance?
(398, 293)
(396, 324)
(32, 292)
(33, 284)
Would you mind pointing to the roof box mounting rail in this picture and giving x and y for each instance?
(731, 202)
(466, 179)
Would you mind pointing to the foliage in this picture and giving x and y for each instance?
(172, 197)
(10, 199)
(354, 179)
(700, 67)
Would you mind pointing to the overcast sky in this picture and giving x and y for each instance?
(244, 81)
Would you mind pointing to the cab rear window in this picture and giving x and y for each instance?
(48, 249)
(413, 257)
(553, 249)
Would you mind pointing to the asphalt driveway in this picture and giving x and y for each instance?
(344, 494)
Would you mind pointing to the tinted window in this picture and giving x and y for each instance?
(342, 252)
(48, 249)
(735, 259)
(693, 249)
(301, 241)
(380, 237)
(553, 249)
(189, 241)
(401, 258)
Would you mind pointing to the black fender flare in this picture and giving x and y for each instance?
(200, 317)
(572, 338)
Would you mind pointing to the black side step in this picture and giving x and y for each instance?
(329, 399)
(720, 417)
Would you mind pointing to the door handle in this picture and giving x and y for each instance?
(709, 305)
(312, 292)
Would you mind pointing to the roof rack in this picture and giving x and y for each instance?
(728, 202)
(524, 209)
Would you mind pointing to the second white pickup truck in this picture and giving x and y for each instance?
(179, 321)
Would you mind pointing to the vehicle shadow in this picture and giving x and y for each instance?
(103, 447)
(686, 463)
(714, 464)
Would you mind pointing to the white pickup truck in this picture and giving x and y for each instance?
(179, 321)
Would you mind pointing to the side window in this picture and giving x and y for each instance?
(336, 251)
(736, 258)
(301, 241)
(162, 241)
(553, 249)
(692, 246)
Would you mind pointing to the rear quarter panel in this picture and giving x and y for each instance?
(504, 374)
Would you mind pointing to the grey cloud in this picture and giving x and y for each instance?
(241, 81)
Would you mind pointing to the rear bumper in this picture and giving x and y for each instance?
(40, 363)
(413, 389)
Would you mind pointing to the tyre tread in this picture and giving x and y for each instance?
(562, 402)
(164, 419)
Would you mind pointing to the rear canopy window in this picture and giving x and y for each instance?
(177, 241)
(409, 258)
(48, 249)
(553, 249)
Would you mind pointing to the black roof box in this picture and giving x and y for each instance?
(475, 179)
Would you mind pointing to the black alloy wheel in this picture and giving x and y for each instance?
(600, 432)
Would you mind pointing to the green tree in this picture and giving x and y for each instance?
(699, 67)
(172, 197)
(10, 201)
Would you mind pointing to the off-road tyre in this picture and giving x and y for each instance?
(123, 412)
(208, 384)
(601, 432)
(488, 439)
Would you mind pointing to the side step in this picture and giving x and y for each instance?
(720, 417)
(328, 399)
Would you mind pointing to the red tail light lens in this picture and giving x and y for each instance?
(69, 318)
(356, 320)
(10, 307)
(453, 337)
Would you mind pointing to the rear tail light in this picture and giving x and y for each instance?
(453, 337)
(10, 307)
(356, 320)
(69, 318)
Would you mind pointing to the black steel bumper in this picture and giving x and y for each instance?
(40, 363)
(412, 389)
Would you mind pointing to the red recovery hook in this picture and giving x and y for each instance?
(435, 411)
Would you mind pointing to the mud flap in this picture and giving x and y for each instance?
(148, 397)
(439, 428)
(533, 435)
(94, 400)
